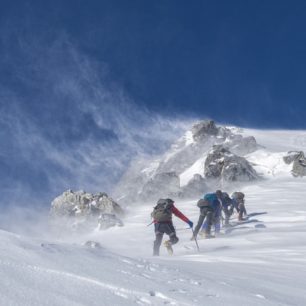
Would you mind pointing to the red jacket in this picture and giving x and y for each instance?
(179, 214)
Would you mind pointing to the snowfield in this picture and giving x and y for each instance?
(261, 261)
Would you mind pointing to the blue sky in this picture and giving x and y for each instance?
(82, 82)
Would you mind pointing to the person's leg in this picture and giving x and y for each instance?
(209, 220)
(236, 205)
(244, 210)
(170, 231)
(200, 222)
(217, 223)
(240, 213)
(227, 215)
(158, 239)
(204, 226)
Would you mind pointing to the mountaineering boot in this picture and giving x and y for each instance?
(202, 234)
(208, 236)
(168, 246)
(192, 238)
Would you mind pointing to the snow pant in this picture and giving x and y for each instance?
(242, 210)
(207, 215)
(235, 205)
(160, 230)
(216, 225)
(227, 214)
(215, 222)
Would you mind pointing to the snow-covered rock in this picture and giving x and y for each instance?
(242, 145)
(203, 129)
(195, 188)
(223, 164)
(150, 179)
(298, 160)
(83, 210)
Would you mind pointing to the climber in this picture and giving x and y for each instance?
(162, 219)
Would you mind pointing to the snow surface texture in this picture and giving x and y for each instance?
(261, 261)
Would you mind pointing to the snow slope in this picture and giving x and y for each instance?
(268, 160)
(261, 261)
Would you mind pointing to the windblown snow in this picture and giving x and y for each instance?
(260, 261)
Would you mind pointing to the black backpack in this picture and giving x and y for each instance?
(162, 211)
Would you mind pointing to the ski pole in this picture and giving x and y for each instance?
(150, 223)
(195, 239)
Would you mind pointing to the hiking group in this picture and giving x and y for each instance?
(215, 209)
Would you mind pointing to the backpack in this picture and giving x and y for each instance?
(202, 203)
(226, 200)
(238, 195)
(162, 211)
(210, 197)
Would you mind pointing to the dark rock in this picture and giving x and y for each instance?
(82, 210)
(150, 179)
(203, 129)
(242, 145)
(292, 156)
(298, 160)
(222, 164)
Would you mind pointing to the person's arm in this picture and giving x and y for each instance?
(181, 216)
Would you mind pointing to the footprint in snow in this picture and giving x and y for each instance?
(212, 295)
(92, 244)
(165, 299)
(194, 282)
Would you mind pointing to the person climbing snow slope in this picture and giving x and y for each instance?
(162, 219)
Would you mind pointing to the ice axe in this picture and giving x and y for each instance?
(195, 240)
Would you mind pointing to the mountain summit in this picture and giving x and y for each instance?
(206, 156)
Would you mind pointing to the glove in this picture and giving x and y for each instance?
(190, 223)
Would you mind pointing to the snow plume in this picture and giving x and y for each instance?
(66, 124)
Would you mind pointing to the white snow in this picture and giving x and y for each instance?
(189, 138)
(196, 168)
(269, 164)
(151, 169)
(279, 140)
(261, 261)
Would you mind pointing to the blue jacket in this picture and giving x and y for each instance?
(213, 201)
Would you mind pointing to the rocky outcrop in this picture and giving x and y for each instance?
(241, 145)
(203, 129)
(159, 177)
(82, 210)
(166, 184)
(224, 165)
(195, 187)
(236, 143)
(298, 161)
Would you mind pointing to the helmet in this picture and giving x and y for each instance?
(219, 193)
